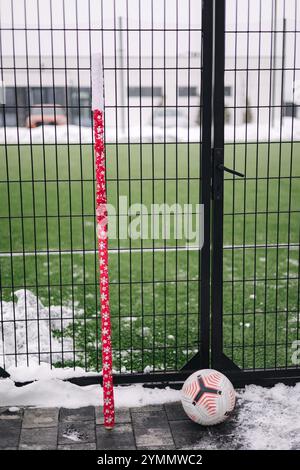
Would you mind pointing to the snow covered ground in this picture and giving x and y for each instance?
(28, 329)
(27, 337)
(69, 395)
(265, 418)
(289, 131)
(269, 418)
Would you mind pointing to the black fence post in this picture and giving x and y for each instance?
(3, 374)
(206, 88)
(217, 204)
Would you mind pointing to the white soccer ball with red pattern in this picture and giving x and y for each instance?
(208, 397)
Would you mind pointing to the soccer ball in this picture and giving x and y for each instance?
(207, 397)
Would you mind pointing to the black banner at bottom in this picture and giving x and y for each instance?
(129, 459)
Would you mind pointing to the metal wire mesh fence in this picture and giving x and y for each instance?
(157, 59)
(152, 67)
(261, 211)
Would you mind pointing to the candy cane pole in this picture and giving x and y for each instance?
(101, 212)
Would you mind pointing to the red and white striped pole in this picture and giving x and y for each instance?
(101, 212)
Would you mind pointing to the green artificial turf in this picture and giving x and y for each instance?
(155, 296)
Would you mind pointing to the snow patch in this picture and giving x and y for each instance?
(270, 418)
(13, 409)
(43, 371)
(57, 393)
(289, 131)
(46, 134)
(73, 434)
(27, 330)
(266, 419)
(247, 325)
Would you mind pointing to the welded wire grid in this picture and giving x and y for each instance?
(49, 271)
(261, 211)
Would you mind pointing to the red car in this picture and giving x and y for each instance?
(46, 114)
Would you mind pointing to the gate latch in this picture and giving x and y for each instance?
(218, 169)
(229, 170)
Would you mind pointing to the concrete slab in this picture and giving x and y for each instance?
(69, 415)
(9, 433)
(76, 433)
(38, 439)
(11, 413)
(175, 411)
(119, 438)
(151, 428)
(169, 447)
(40, 418)
(122, 415)
(85, 446)
(142, 409)
(186, 433)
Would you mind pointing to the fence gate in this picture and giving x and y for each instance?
(255, 207)
(200, 108)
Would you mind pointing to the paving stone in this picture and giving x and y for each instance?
(85, 446)
(151, 418)
(86, 413)
(186, 433)
(223, 436)
(76, 433)
(144, 428)
(9, 433)
(38, 439)
(175, 411)
(142, 409)
(151, 428)
(11, 413)
(40, 417)
(171, 447)
(122, 415)
(119, 438)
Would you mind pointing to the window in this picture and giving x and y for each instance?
(80, 97)
(80, 106)
(2, 92)
(46, 95)
(14, 110)
(10, 96)
(144, 91)
(290, 109)
(227, 91)
(187, 91)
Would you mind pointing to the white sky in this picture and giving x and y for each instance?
(133, 12)
(38, 12)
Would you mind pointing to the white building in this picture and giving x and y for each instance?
(45, 57)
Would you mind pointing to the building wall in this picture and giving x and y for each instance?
(128, 91)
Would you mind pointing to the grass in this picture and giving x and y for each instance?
(155, 296)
